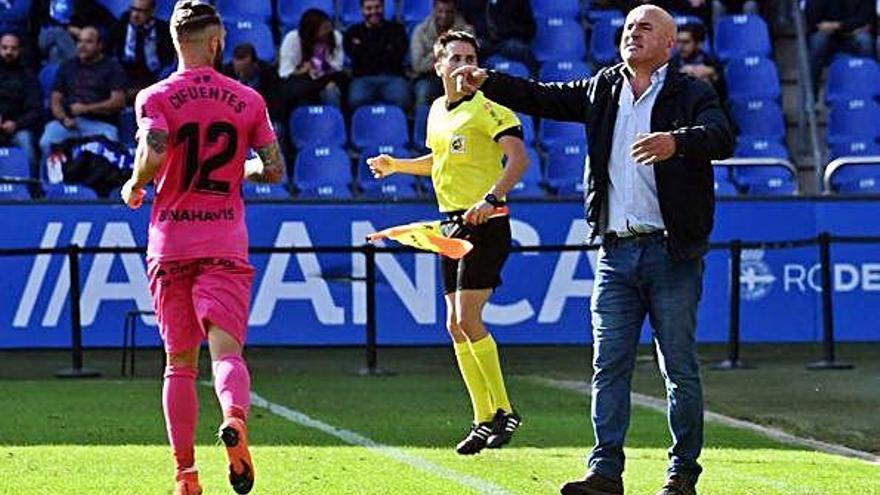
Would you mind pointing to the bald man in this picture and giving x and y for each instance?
(652, 133)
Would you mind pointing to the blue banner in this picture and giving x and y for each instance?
(319, 299)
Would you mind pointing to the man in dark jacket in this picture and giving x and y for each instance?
(376, 48)
(142, 44)
(838, 26)
(652, 134)
(21, 102)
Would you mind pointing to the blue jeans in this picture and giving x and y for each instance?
(55, 133)
(635, 277)
(385, 88)
(824, 45)
(428, 89)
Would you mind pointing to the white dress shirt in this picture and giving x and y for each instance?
(632, 194)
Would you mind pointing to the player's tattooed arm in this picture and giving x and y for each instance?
(149, 156)
(273, 165)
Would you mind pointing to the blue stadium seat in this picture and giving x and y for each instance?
(594, 16)
(559, 38)
(253, 32)
(765, 180)
(71, 192)
(528, 125)
(317, 125)
(509, 67)
(759, 118)
(290, 11)
(116, 7)
(759, 147)
(13, 163)
(414, 11)
(127, 127)
(603, 40)
(687, 20)
(251, 190)
(738, 36)
(323, 172)
(351, 12)
(395, 186)
(420, 127)
(14, 192)
(724, 185)
(565, 168)
(855, 147)
(379, 125)
(251, 10)
(14, 16)
(529, 185)
(555, 133)
(752, 78)
(47, 80)
(564, 71)
(853, 77)
(569, 9)
(857, 179)
(857, 117)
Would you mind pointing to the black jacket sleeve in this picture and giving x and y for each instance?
(568, 102)
(33, 104)
(710, 137)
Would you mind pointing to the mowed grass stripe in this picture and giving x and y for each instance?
(399, 455)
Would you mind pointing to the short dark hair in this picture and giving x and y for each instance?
(454, 35)
(244, 50)
(696, 30)
(192, 16)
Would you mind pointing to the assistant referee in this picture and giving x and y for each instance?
(468, 136)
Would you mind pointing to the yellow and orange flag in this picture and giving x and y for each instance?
(428, 236)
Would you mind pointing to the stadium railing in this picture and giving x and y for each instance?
(823, 240)
(841, 162)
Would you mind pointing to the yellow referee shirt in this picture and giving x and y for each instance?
(467, 157)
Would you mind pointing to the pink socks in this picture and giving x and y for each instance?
(181, 406)
(232, 383)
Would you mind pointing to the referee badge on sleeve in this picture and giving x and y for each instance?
(458, 144)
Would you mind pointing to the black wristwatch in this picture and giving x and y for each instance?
(493, 200)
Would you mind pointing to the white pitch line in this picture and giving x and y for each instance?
(773, 433)
(359, 440)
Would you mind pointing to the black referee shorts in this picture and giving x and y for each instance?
(480, 268)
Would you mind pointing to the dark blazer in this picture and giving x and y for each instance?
(686, 106)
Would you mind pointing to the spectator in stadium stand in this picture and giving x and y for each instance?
(510, 28)
(142, 43)
(652, 133)
(88, 94)
(60, 22)
(838, 26)
(376, 48)
(310, 63)
(247, 68)
(691, 58)
(21, 101)
(444, 17)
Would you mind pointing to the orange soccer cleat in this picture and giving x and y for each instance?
(233, 433)
(187, 483)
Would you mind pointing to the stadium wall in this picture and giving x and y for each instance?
(308, 299)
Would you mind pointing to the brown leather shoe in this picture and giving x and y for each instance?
(678, 486)
(593, 484)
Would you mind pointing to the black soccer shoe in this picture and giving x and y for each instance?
(503, 427)
(476, 439)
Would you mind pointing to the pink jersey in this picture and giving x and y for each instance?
(211, 121)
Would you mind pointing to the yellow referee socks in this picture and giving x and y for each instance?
(481, 401)
(486, 353)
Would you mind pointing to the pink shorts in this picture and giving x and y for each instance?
(188, 295)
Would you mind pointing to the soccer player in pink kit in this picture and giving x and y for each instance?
(194, 129)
